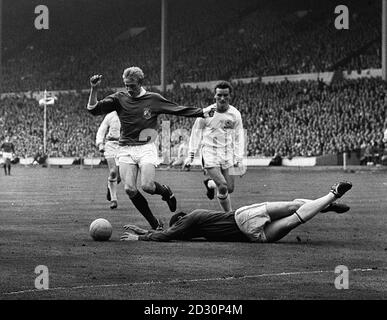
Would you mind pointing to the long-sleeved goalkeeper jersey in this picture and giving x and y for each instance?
(201, 223)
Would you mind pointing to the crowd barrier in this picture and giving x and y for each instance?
(326, 160)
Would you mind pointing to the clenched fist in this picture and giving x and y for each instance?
(95, 80)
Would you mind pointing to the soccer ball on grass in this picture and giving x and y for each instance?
(100, 230)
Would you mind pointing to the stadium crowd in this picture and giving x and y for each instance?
(239, 40)
(306, 118)
(69, 132)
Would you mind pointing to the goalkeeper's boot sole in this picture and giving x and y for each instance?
(340, 188)
(336, 207)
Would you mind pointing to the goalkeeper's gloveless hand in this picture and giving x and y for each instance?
(135, 229)
(127, 236)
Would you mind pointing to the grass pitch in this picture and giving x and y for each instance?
(45, 214)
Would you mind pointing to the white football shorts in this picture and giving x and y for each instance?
(139, 155)
(251, 221)
(7, 155)
(111, 150)
(217, 158)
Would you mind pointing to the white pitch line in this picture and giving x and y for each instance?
(146, 283)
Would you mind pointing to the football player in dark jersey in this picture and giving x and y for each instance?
(138, 111)
(8, 150)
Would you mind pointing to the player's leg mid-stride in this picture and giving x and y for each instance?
(130, 167)
(152, 187)
(107, 138)
(112, 183)
(129, 174)
(224, 184)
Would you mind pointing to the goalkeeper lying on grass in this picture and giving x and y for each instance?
(260, 222)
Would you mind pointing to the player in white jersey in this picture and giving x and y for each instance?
(221, 141)
(107, 138)
(182, 152)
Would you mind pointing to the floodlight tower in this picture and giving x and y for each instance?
(384, 39)
(1, 41)
(163, 44)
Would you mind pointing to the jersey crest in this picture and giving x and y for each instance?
(147, 113)
(228, 124)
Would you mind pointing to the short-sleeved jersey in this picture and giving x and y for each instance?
(139, 113)
(8, 147)
(222, 131)
(201, 223)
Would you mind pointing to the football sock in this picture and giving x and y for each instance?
(303, 200)
(112, 185)
(118, 175)
(161, 190)
(225, 202)
(141, 204)
(310, 209)
(5, 169)
(308, 200)
(211, 184)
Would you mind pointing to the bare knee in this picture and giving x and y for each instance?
(148, 187)
(131, 191)
(295, 205)
(112, 174)
(222, 189)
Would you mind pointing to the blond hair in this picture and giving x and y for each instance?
(133, 73)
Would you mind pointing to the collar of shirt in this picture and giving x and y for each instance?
(142, 92)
